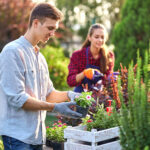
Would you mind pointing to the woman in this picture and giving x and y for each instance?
(88, 64)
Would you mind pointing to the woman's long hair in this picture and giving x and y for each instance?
(103, 51)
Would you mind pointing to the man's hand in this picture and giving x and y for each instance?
(64, 109)
(72, 95)
(92, 73)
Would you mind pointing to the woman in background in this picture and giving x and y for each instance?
(92, 62)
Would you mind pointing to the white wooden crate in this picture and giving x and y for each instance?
(77, 138)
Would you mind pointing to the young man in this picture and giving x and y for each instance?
(26, 91)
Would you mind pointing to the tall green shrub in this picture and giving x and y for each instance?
(132, 32)
(135, 120)
(57, 65)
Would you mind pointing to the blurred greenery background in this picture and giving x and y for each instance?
(127, 22)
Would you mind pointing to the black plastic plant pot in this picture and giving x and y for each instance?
(82, 110)
(57, 146)
(48, 143)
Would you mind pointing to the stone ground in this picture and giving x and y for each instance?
(47, 148)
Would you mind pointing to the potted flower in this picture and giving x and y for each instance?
(55, 135)
(84, 101)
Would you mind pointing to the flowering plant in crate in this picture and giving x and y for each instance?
(102, 119)
(56, 132)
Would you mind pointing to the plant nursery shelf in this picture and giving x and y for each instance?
(80, 139)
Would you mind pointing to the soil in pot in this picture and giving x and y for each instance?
(82, 110)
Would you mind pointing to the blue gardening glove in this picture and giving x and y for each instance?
(72, 95)
(65, 110)
(113, 76)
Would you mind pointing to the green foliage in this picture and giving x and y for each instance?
(56, 132)
(1, 145)
(103, 120)
(85, 99)
(57, 65)
(132, 32)
(95, 10)
(135, 120)
(14, 17)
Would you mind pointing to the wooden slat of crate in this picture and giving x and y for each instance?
(80, 133)
(77, 146)
(75, 136)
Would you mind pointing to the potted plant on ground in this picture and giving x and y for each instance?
(55, 135)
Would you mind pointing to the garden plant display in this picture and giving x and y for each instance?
(56, 132)
(102, 119)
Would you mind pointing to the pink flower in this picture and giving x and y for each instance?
(54, 124)
(59, 125)
(88, 97)
(59, 121)
(47, 127)
(77, 96)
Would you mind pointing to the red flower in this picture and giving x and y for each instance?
(90, 120)
(64, 124)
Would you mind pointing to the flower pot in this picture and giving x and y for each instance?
(57, 146)
(82, 110)
(48, 143)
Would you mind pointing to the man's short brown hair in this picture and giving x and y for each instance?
(45, 10)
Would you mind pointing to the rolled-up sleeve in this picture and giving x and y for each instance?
(12, 80)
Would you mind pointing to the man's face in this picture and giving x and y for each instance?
(46, 30)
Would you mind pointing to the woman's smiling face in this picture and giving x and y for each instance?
(97, 38)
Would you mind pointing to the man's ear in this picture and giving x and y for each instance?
(35, 23)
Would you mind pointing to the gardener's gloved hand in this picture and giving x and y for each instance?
(92, 73)
(113, 76)
(64, 109)
(72, 95)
